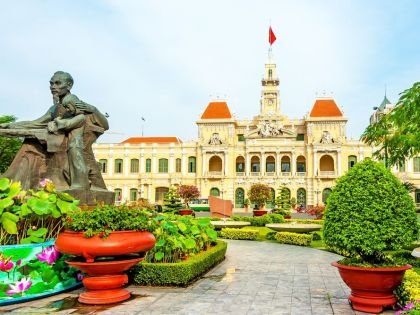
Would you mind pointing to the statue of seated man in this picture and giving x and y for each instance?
(72, 126)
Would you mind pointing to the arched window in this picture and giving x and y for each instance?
(215, 164)
(326, 163)
(118, 195)
(163, 165)
(301, 164)
(191, 164)
(215, 192)
(118, 166)
(239, 198)
(416, 165)
(133, 194)
(255, 164)
(240, 164)
(270, 164)
(271, 203)
(160, 193)
(148, 165)
(325, 194)
(178, 167)
(285, 164)
(352, 160)
(134, 166)
(103, 165)
(301, 197)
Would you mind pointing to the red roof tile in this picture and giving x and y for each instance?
(134, 140)
(325, 108)
(216, 110)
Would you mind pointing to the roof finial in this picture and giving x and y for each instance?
(385, 90)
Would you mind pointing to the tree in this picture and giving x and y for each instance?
(187, 193)
(397, 134)
(259, 194)
(283, 200)
(172, 201)
(8, 146)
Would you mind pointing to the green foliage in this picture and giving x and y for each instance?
(31, 216)
(8, 146)
(179, 273)
(172, 201)
(369, 211)
(188, 193)
(239, 234)
(397, 133)
(178, 237)
(409, 289)
(294, 238)
(105, 219)
(283, 200)
(261, 220)
(259, 194)
(293, 202)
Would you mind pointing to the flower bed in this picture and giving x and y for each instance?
(31, 271)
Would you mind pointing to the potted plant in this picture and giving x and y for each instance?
(172, 201)
(259, 194)
(30, 266)
(369, 212)
(108, 240)
(246, 204)
(187, 193)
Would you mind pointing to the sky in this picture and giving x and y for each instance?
(166, 60)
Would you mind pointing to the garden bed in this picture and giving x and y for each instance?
(179, 273)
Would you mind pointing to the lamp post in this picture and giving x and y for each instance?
(317, 196)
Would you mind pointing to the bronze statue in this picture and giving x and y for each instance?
(58, 145)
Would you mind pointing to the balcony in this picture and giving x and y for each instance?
(301, 174)
(214, 174)
(285, 174)
(255, 174)
(270, 174)
(327, 174)
(240, 174)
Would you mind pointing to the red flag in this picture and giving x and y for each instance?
(271, 36)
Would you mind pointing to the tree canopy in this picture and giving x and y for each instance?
(397, 134)
(8, 146)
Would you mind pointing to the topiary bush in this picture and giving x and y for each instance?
(369, 211)
(300, 239)
(239, 234)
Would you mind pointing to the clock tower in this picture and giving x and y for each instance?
(270, 100)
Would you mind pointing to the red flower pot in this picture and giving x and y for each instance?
(258, 213)
(105, 277)
(117, 243)
(371, 288)
(185, 212)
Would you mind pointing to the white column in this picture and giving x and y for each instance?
(293, 164)
(226, 163)
(184, 165)
(154, 164)
(315, 164)
(203, 164)
(339, 162)
(126, 166)
(278, 165)
(142, 166)
(262, 163)
(110, 166)
(171, 164)
(247, 164)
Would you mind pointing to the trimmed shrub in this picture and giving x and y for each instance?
(409, 289)
(369, 211)
(294, 238)
(260, 221)
(316, 236)
(271, 236)
(239, 234)
(180, 273)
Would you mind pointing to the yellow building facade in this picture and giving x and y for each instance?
(306, 155)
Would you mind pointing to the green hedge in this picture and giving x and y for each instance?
(181, 273)
(239, 234)
(260, 221)
(294, 238)
(305, 221)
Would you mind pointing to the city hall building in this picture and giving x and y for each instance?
(306, 155)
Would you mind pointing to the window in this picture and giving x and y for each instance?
(417, 195)
(301, 197)
(325, 194)
(163, 165)
(300, 137)
(160, 193)
(352, 161)
(118, 166)
(133, 194)
(178, 166)
(148, 165)
(215, 192)
(416, 165)
(270, 164)
(134, 166)
(285, 166)
(103, 165)
(241, 138)
(191, 164)
(118, 195)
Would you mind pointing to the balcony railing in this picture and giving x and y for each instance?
(327, 173)
(285, 174)
(270, 173)
(240, 174)
(300, 173)
(214, 174)
(255, 173)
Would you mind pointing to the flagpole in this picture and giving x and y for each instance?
(142, 125)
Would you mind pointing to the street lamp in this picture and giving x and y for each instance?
(317, 196)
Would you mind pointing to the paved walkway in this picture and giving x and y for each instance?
(255, 278)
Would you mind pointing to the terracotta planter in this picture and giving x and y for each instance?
(258, 213)
(117, 243)
(371, 288)
(106, 276)
(185, 212)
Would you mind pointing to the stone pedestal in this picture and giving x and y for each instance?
(92, 197)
